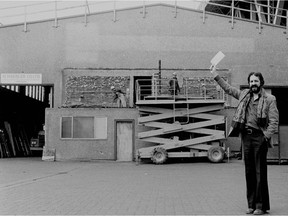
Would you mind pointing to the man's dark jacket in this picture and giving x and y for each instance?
(267, 111)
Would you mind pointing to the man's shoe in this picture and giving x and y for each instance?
(250, 211)
(258, 212)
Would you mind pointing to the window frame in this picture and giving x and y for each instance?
(72, 125)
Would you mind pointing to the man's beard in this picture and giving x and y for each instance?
(255, 89)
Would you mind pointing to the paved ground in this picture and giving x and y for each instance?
(29, 186)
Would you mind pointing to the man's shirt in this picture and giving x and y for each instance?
(251, 113)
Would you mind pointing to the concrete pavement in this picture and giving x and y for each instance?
(29, 186)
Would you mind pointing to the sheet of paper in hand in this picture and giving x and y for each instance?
(217, 58)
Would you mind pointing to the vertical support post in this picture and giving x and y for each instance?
(144, 9)
(174, 112)
(203, 17)
(276, 13)
(86, 9)
(228, 153)
(186, 89)
(26, 90)
(40, 93)
(114, 12)
(287, 21)
(87, 6)
(232, 15)
(25, 19)
(55, 16)
(30, 91)
(259, 26)
(160, 77)
(137, 91)
(36, 92)
(51, 96)
(258, 9)
(43, 94)
(251, 11)
(175, 9)
(86, 21)
(268, 11)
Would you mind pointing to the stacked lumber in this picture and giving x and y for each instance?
(5, 151)
(13, 141)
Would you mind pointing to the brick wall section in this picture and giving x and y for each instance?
(93, 90)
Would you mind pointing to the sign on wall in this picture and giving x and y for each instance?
(21, 78)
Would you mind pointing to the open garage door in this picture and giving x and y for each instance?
(22, 118)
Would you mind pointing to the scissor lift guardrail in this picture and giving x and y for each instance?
(194, 90)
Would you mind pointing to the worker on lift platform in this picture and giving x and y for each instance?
(174, 85)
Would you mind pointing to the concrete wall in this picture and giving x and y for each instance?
(136, 42)
(85, 149)
(93, 149)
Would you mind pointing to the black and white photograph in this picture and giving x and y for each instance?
(143, 107)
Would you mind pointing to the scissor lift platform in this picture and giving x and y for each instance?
(181, 126)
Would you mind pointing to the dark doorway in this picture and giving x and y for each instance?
(281, 95)
(145, 82)
(22, 119)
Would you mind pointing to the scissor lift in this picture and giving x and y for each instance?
(183, 125)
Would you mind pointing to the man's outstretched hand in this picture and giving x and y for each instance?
(213, 70)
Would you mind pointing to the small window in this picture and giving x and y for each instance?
(66, 127)
(100, 128)
(84, 127)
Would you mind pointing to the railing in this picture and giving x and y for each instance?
(203, 88)
(272, 13)
(34, 91)
(197, 88)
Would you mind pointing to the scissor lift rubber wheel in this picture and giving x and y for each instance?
(216, 154)
(159, 155)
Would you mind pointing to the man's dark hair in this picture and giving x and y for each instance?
(257, 74)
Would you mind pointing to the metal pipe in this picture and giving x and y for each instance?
(203, 18)
(30, 91)
(86, 18)
(268, 11)
(36, 93)
(175, 7)
(87, 5)
(144, 9)
(232, 15)
(287, 21)
(276, 12)
(251, 11)
(43, 94)
(259, 26)
(33, 92)
(258, 10)
(25, 21)
(56, 18)
(27, 90)
(114, 12)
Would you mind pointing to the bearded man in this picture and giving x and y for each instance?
(256, 119)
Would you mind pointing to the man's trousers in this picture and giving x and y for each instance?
(255, 159)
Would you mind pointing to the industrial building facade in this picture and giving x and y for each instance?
(79, 62)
